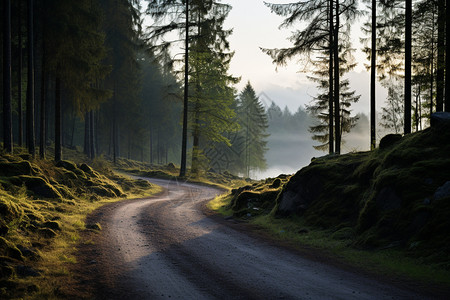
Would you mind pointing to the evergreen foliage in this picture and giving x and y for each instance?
(319, 108)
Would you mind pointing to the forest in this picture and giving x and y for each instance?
(99, 77)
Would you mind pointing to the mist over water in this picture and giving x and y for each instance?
(292, 149)
(287, 154)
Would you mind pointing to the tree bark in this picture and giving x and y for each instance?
(91, 135)
(408, 20)
(373, 67)
(432, 68)
(447, 57)
(337, 110)
(114, 125)
(43, 129)
(331, 85)
(30, 84)
(7, 111)
(58, 131)
(185, 100)
(19, 74)
(440, 56)
(86, 134)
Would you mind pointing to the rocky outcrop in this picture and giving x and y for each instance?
(389, 140)
(299, 193)
(440, 119)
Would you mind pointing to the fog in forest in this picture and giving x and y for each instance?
(290, 144)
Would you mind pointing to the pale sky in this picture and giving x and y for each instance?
(255, 26)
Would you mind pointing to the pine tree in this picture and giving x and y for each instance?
(253, 121)
(325, 19)
(319, 108)
(211, 97)
(392, 114)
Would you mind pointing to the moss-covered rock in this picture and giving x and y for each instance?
(46, 233)
(9, 249)
(16, 168)
(38, 185)
(54, 225)
(68, 165)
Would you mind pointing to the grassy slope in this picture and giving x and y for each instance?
(373, 209)
(43, 206)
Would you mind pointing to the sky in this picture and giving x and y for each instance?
(254, 26)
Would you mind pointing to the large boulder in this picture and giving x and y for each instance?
(8, 169)
(38, 185)
(299, 193)
(440, 120)
(442, 192)
(389, 140)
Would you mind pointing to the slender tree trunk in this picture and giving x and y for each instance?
(96, 121)
(72, 133)
(416, 112)
(42, 141)
(151, 144)
(185, 100)
(247, 145)
(7, 111)
(420, 107)
(440, 56)
(331, 84)
(19, 73)
(30, 84)
(447, 57)
(86, 134)
(114, 125)
(408, 21)
(91, 135)
(432, 68)
(373, 68)
(337, 110)
(58, 131)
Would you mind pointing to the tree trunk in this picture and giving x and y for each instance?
(151, 145)
(331, 86)
(86, 134)
(91, 135)
(440, 56)
(58, 131)
(447, 57)
(42, 128)
(7, 111)
(408, 20)
(373, 67)
(337, 110)
(185, 100)
(114, 125)
(19, 73)
(432, 68)
(30, 84)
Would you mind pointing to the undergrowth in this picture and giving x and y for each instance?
(43, 207)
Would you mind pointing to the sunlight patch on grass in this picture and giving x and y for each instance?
(221, 204)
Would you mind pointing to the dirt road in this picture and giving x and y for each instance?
(166, 247)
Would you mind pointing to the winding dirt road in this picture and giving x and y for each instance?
(166, 247)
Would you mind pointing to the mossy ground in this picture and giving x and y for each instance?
(43, 206)
(373, 209)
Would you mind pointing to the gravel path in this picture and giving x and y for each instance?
(165, 247)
